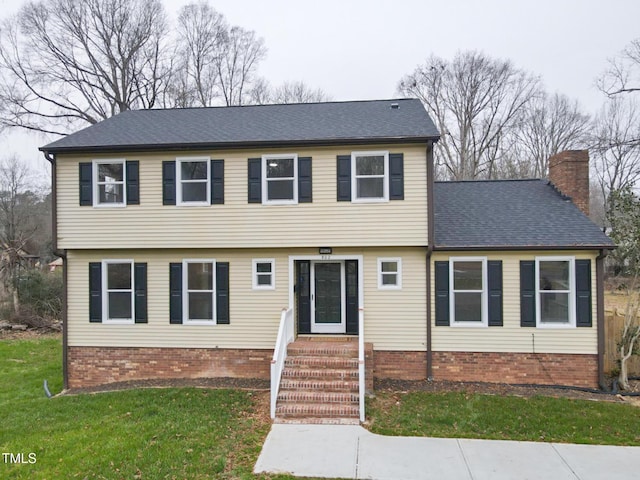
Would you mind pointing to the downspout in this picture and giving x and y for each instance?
(600, 316)
(51, 158)
(430, 242)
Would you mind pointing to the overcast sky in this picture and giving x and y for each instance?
(359, 49)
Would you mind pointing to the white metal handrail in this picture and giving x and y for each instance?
(285, 337)
(361, 385)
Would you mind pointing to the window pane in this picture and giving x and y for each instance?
(263, 267)
(370, 165)
(370, 187)
(120, 305)
(280, 168)
(193, 170)
(390, 267)
(200, 306)
(389, 279)
(468, 307)
(118, 276)
(467, 275)
(110, 172)
(280, 190)
(194, 192)
(554, 275)
(264, 279)
(200, 276)
(111, 193)
(554, 307)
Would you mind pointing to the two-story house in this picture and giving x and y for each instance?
(190, 234)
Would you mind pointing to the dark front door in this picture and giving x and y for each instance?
(327, 297)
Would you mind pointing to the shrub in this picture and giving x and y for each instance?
(40, 293)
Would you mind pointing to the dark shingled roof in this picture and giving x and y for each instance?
(510, 214)
(291, 124)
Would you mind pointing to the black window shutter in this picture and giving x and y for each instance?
(95, 292)
(255, 180)
(222, 292)
(494, 276)
(217, 182)
(442, 293)
(583, 293)
(132, 168)
(140, 282)
(304, 180)
(351, 278)
(396, 176)
(527, 293)
(86, 187)
(344, 178)
(175, 293)
(303, 295)
(169, 182)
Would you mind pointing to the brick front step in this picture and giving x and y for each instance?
(324, 373)
(319, 421)
(309, 410)
(323, 349)
(318, 384)
(321, 362)
(322, 397)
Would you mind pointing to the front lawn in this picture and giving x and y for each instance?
(138, 434)
(472, 415)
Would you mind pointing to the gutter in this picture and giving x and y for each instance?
(430, 246)
(600, 316)
(51, 158)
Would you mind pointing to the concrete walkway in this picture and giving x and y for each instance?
(349, 451)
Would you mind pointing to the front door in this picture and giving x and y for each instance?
(327, 297)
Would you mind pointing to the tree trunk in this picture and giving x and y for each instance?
(623, 378)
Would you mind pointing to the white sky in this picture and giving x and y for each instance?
(359, 49)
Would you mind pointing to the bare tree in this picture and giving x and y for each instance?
(474, 101)
(289, 92)
(616, 154)
(69, 61)
(623, 72)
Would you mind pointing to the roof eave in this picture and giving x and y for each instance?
(237, 145)
(471, 248)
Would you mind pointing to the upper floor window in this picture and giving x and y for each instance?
(280, 179)
(193, 180)
(110, 180)
(555, 291)
(370, 179)
(468, 291)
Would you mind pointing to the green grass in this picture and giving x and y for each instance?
(147, 434)
(538, 418)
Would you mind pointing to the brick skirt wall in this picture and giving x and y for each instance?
(91, 366)
(534, 368)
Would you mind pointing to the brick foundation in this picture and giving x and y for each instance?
(91, 366)
(534, 368)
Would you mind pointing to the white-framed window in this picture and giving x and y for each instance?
(280, 179)
(264, 273)
(370, 176)
(109, 183)
(199, 291)
(555, 292)
(117, 291)
(468, 288)
(389, 273)
(193, 180)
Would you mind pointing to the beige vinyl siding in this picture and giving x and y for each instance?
(511, 337)
(238, 224)
(394, 319)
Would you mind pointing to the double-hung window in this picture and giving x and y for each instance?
(370, 178)
(110, 181)
(389, 273)
(264, 274)
(199, 285)
(117, 294)
(280, 179)
(193, 180)
(468, 287)
(555, 291)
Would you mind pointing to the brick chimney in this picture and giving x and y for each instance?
(569, 172)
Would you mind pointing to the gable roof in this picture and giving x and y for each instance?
(510, 214)
(260, 125)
